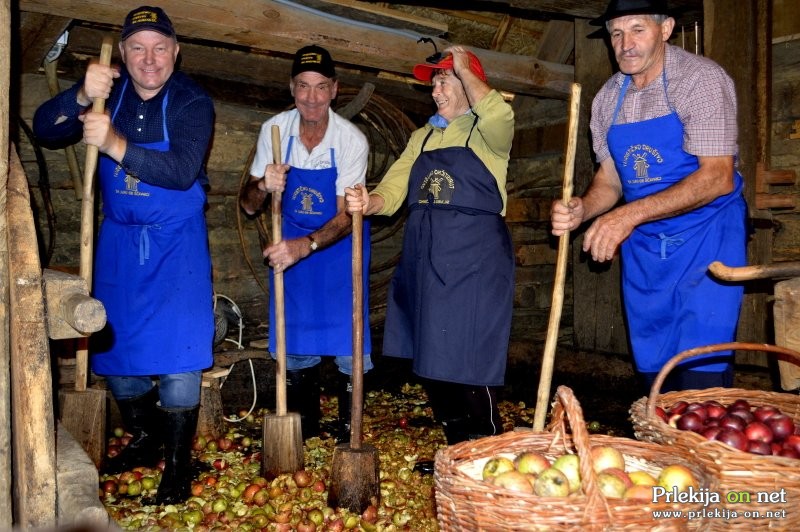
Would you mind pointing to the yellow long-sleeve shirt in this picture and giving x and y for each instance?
(491, 141)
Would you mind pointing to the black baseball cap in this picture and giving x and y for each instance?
(147, 18)
(313, 59)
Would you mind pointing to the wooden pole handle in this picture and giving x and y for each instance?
(756, 271)
(546, 376)
(280, 316)
(357, 400)
(87, 205)
(87, 225)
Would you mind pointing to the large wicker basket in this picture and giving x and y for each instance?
(735, 471)
(468, 504)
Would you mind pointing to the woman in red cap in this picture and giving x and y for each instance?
(450, 300)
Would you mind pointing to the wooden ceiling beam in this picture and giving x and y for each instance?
(280, 26)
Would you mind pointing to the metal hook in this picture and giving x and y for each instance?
(436, 56)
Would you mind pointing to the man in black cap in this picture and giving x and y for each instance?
(322, 154)
(153, 266)
(665, 135)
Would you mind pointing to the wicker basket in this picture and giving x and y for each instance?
(467, 504)
(734, 470)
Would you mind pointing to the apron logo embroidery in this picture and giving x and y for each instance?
(437, 187)
(640, 153)
(131, 186)
(305, 197)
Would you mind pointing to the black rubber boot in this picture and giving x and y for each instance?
(482, 411)
(175, 486)
(141, 418)
(302, 396)
(344, 392)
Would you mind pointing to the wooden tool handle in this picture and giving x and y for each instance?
(87, 225)
(280, 316)
(357, 400)
(758, 271)
(87, 206)
(546, 376)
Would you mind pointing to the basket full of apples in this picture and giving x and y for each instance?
(749, 440)
(564, 479)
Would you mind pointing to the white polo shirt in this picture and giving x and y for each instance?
(350, 148)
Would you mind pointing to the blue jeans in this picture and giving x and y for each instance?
(345, 364)
(176, 390)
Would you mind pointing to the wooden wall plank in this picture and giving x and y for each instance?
(598, 316)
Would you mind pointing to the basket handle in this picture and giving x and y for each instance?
(655, 389)
(567, 403)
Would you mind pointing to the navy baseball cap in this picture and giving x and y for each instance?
(147, 18)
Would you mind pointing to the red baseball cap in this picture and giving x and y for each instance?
(425, 71)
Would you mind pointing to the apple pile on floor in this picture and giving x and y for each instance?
(762, 429)
(229, 493)
(533, 472)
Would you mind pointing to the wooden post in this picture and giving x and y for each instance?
(787, 328)
(5, 385)
(33, 428)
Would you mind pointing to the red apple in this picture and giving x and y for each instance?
(758, 431)
(764, 412)
(739, 403)
(759, 447)
(690, 421)
(710, 433)
(699, 409)
(781, 425)
(789, 452)
(302, 478)
(733, 437)
(660, 412)
(715, 409)
(678, 407)
(746, 415)
(729, 421)
(792, 440)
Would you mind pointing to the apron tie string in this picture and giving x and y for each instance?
(144, 243)
(667, 241)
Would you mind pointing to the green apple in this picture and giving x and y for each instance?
(569, 464)
(551, 483)
(531, 462)
(514, 481)
(610, 485)
(604, 457)
(496, 466)
(677, 476)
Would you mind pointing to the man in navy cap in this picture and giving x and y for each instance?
(665, 135)
(322, 154)
(153, 267)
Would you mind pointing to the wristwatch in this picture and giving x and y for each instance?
(313, 245)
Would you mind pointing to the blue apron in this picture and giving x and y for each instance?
(672, 303)
(318, 299)
(152, 273)
(450, 300)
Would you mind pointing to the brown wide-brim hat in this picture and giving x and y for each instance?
(622, 8)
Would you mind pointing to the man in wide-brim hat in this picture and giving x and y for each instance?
(665, 136)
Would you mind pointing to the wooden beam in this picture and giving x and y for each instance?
(379, 15)
(557, 42)
(279, 26)
(6, 491)
(33, 426)
(38, 32)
